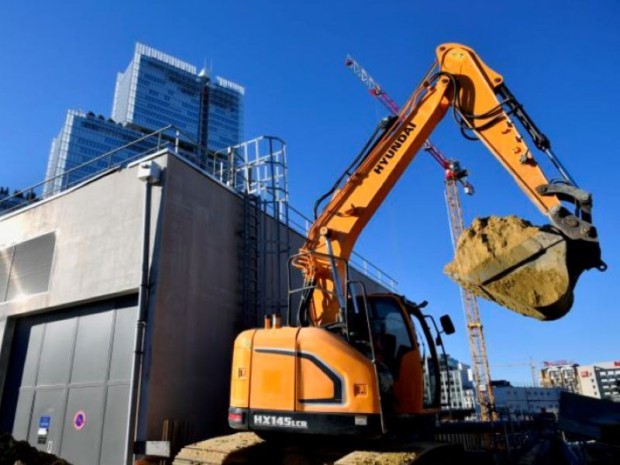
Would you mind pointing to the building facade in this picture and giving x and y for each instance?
(73, 303)
(600, 380)
(561, 375)
(155, 91)
(457, 388)
(225, 114)
(523, 401)
(84, 138)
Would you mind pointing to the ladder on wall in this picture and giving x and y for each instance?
(260, 175)
(250, 266)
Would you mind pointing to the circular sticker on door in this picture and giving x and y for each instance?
(79, 420)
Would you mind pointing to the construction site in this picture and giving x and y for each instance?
(178, 310)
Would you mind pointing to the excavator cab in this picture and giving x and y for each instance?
(395, 335)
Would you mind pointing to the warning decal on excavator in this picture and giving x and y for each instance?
(275, 420)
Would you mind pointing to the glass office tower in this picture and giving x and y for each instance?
(156, 90)
(225, 114)
(83, 140)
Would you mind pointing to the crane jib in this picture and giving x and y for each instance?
(385, 159)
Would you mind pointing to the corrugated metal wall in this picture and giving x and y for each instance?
(68, 381)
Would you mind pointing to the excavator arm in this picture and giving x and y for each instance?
(459, 81)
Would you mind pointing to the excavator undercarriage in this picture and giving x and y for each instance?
(249, 448)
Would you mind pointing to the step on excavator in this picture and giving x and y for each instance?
(348, 372)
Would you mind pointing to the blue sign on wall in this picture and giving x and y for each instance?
(44, 422)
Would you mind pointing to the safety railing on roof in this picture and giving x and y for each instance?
(167, 137)
(249, 169)
(216, 165)
(301, 223)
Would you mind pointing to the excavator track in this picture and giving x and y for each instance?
(234, 448)
(248, 448)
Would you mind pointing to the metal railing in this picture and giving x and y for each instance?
(179, 143)
(161, 139)
(301, 223)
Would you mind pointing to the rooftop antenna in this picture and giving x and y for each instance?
(204, 73)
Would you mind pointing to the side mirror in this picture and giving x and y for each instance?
(447, 325)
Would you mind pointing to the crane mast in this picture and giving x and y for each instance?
(477, 345)
(454, 175)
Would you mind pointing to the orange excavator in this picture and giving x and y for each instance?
(346, 362)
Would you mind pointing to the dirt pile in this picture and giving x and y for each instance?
(239, 447)
(377, 458)
(13, 452)
(515, 264)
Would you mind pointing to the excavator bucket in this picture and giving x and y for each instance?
(528, 269)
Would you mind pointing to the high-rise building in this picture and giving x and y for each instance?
(600, 380)
(155, 91)
(83, 138)
(456, 385)
(225, 114)
(562, 374)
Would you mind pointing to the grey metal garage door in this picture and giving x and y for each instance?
(68, 381)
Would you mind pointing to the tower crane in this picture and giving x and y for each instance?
(454, 174)
(532, 364)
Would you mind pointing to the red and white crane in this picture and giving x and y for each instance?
(454, 175)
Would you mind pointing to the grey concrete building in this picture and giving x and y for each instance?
(523, 401)
(119, 303)
(457, 378)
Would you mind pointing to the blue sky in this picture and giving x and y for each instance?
(558, 57)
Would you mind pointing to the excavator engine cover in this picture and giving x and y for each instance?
(528, 269)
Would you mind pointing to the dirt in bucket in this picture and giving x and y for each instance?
(492, 260)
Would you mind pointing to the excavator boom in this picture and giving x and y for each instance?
(459, 81)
